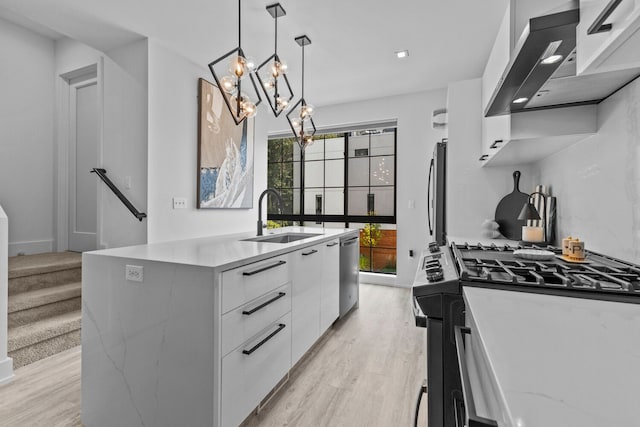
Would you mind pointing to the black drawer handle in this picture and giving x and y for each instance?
(332, 244)
(473, 419)
(281, 326)
(264, 304)
(598, 25)
(311, 252)
(483, 157)
(265, 268)
(495, 143)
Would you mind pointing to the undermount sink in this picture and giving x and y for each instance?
(281, 238)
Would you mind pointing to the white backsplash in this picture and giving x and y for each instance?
(597, 181)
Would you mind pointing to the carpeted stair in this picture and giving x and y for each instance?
(44, 305)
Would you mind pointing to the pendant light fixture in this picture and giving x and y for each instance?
(299, 117)
(272, 72)
(240, 105)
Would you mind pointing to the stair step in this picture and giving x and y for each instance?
(31, 306)
(42, 349)
(20, 318)
(42, 330)
(28, 265)
(38, 297)
(44, 280)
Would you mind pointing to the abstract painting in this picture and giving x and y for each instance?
(225, 153)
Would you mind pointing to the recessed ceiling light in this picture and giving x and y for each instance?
(402, 53)
(551, 59)
(520, 100)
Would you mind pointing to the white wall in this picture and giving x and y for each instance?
(172, 156)
(597, 181)
(6, 364)
(124, 154)
(473, 192)
(122, 82)
(27, 137)
(415, 143)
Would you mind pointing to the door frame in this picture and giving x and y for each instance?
(61, 162)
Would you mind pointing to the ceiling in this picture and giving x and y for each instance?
(351, 57)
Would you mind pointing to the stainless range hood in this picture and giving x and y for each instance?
(534, 84)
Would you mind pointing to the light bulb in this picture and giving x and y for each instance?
(238, 67)
(306, 111)
(283, 67)
(249, 109)
(275, 69)
(307, 140)
(283, 103)
(250, 64)
(269, 84)
(296, 123)
(229, 84)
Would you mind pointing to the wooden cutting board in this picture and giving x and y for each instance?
(508, 210)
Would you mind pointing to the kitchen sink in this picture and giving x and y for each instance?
(281, 238)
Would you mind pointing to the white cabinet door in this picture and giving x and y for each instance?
(251, 370)
(330, 290)
(614, 48)
(307, 267)
(496, 130)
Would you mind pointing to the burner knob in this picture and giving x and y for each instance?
(433, 247)
(434, 274)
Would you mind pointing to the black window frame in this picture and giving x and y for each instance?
(345, 218)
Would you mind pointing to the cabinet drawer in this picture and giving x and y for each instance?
(248, 282)
(247, 378)
(241, 323)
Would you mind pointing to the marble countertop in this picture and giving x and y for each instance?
(226, 251)
(560, 361)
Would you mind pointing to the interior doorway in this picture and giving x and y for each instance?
(83, 147)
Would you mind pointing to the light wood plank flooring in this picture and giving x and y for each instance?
(366, 371)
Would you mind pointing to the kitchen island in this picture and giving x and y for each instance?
(198, 332)
(545, 360)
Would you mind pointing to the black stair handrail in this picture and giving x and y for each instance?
(102, 173)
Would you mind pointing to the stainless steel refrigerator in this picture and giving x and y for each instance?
(436, 194)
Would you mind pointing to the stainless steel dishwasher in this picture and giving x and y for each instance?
(349, 273)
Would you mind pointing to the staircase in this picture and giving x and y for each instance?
(44, 305)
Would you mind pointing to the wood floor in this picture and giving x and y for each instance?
(366, 371)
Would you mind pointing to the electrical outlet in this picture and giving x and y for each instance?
(179, 203)
(410, 253)
(127, 183)
(134, 273)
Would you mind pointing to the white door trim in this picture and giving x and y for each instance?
(61, 167)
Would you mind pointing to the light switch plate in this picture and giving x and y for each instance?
(134, 273)
(179, 203)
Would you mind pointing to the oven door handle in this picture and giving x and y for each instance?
(472, 419)
(421, 319)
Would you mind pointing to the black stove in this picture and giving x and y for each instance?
(438, 303)
(599, 277)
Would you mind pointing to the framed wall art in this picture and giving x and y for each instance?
(225, 153)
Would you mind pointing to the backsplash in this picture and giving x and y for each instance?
(597, 181)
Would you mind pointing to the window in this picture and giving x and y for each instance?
(343, 180)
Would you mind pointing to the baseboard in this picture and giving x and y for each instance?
(379, 279)
(6, 370)
(28, 248)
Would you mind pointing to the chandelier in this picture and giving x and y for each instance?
(300, 117)
(233, 80)
(272, 72)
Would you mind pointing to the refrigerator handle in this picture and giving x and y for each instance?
(429, 201)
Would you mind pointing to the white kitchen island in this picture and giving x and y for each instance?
(198, 332)
(543, 360)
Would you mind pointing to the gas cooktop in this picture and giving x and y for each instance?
(599, 277)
